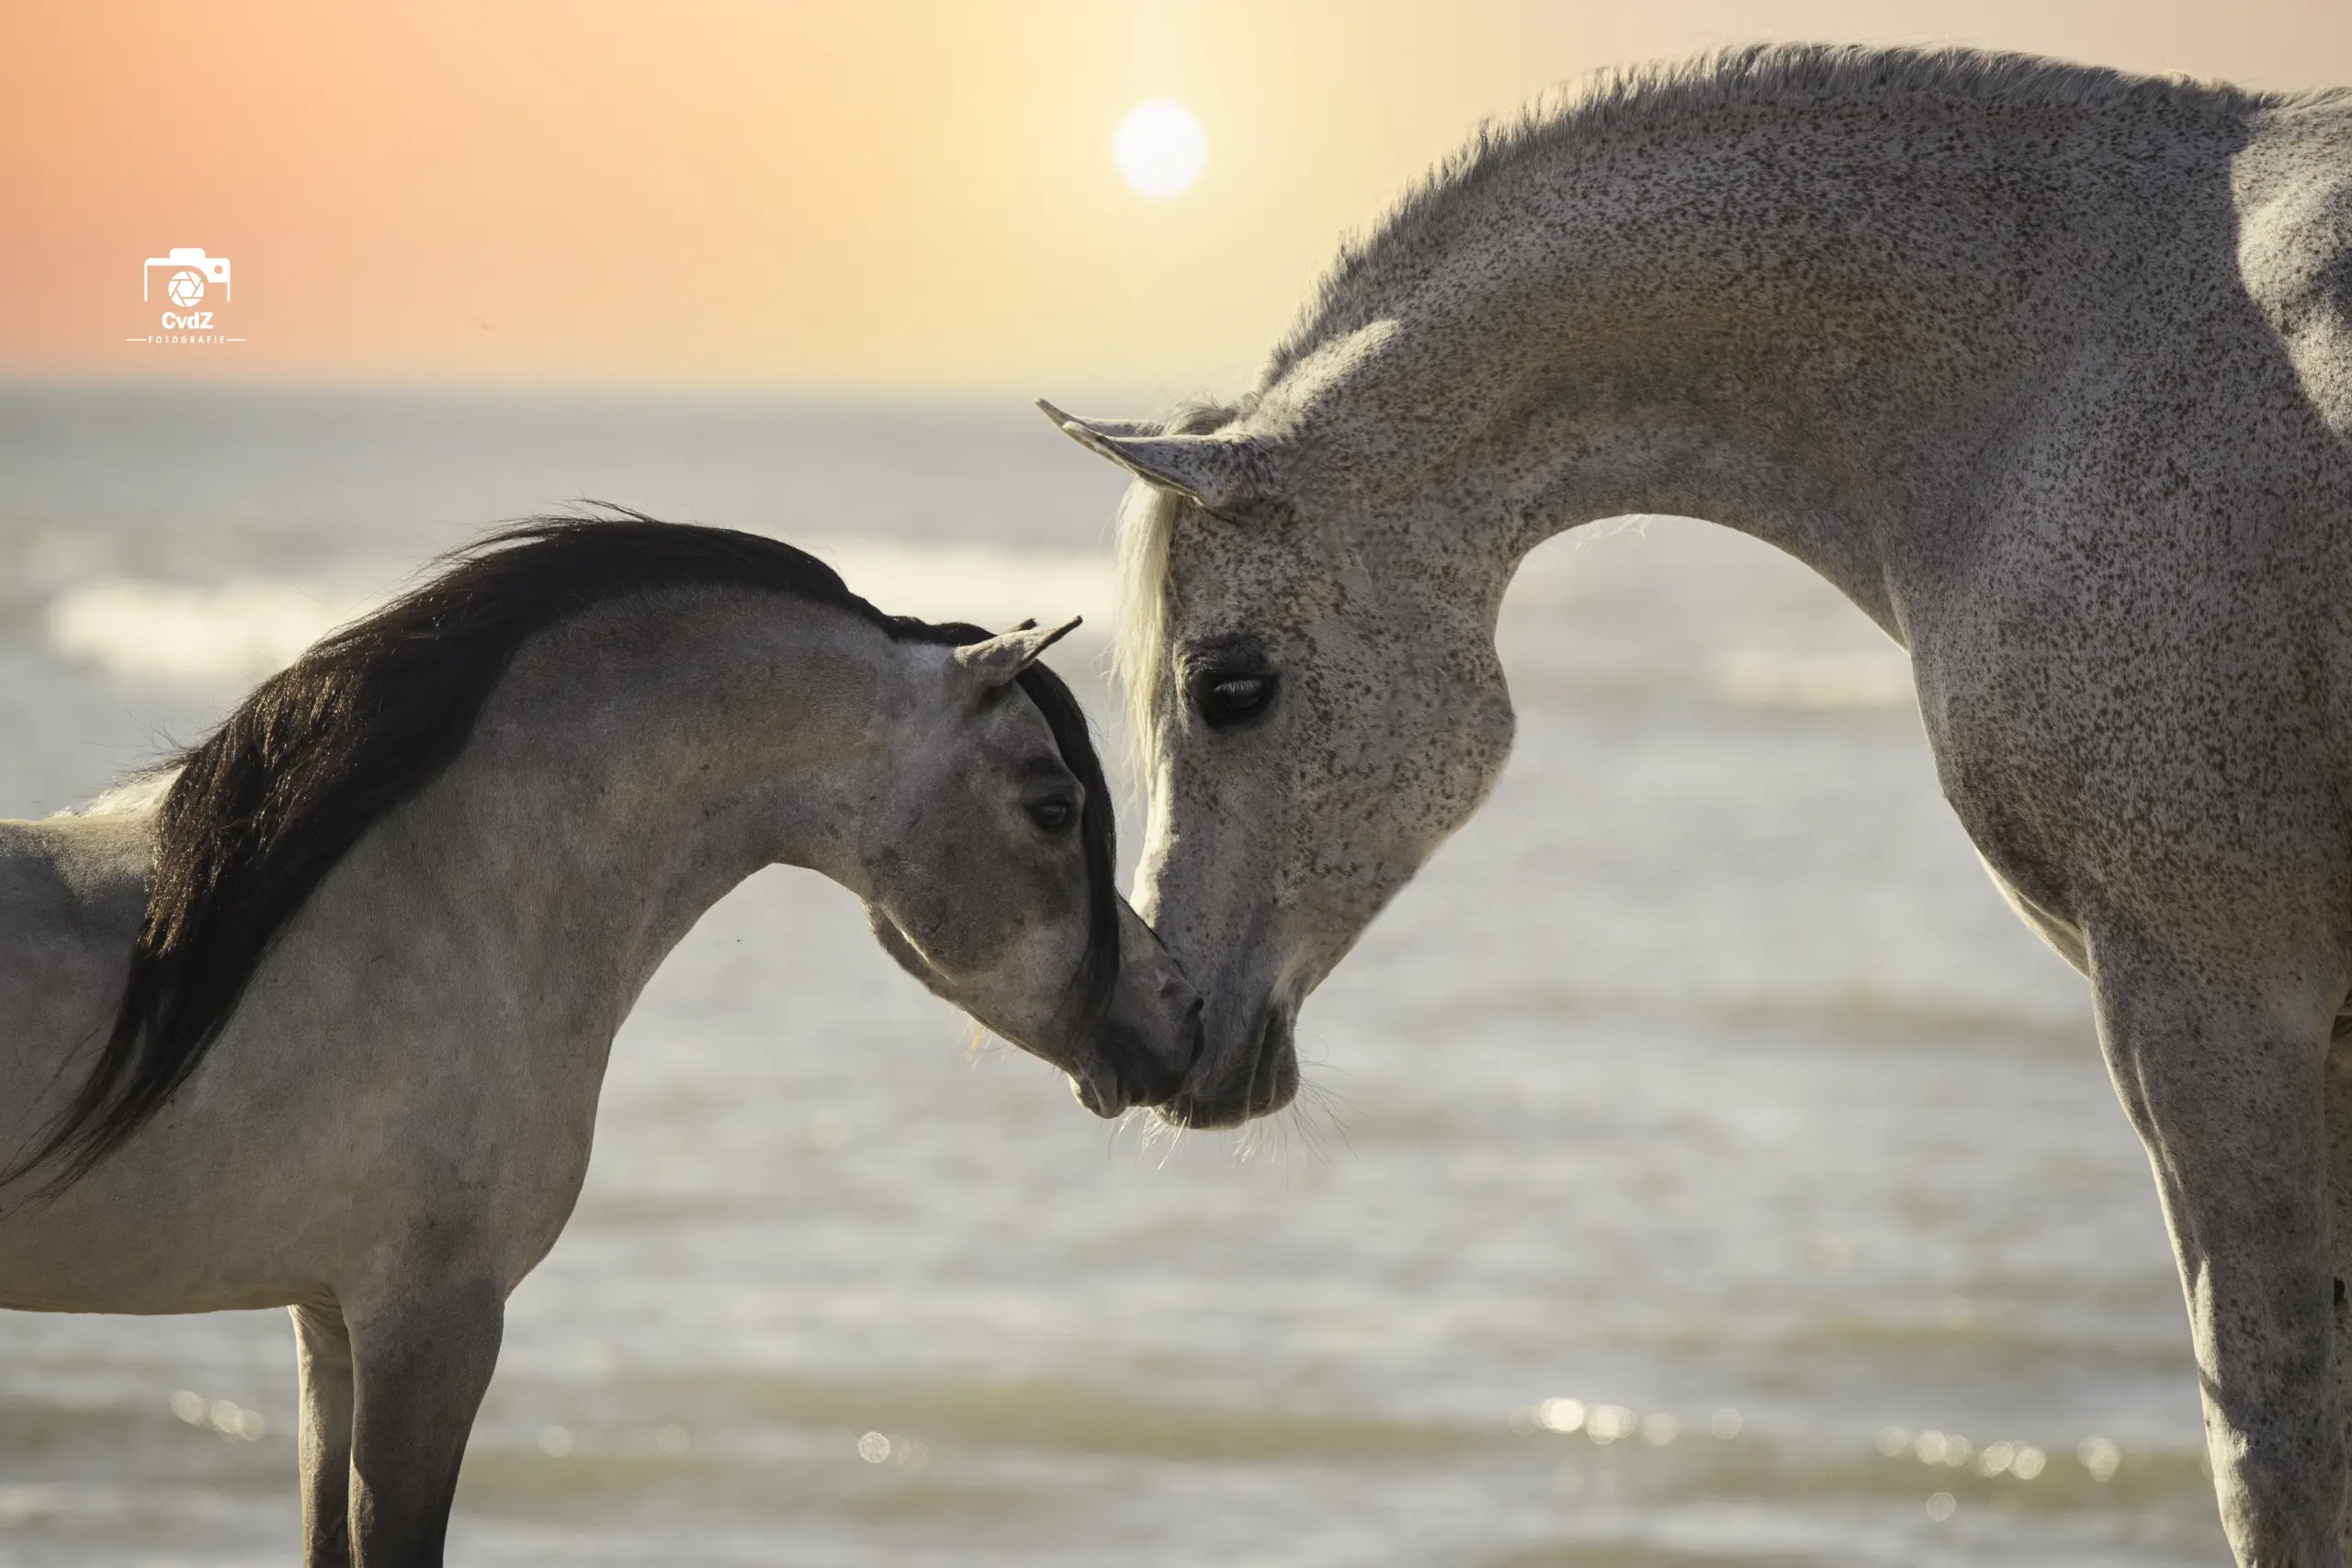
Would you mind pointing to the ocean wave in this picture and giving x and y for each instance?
(1879, 679)
(240, 630)
(994, 588)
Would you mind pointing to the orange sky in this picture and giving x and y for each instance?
(884, 197)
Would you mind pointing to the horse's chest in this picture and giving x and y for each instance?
(2021, 808)
(2174, 771)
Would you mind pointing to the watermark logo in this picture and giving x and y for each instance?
(188, 277)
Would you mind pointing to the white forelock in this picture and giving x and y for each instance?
(1138, 647)
(1146, 520)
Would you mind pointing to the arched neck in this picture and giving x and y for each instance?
(1819, 324)
(633, 768)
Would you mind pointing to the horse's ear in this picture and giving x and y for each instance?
(998, 659)
(1218, 473)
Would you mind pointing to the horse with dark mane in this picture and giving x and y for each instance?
(317, 1016)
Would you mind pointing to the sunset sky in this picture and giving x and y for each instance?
(891, 196)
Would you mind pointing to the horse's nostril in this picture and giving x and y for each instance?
(1093, 1096)
(1273, 1077)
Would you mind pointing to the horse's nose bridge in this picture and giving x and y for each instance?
(1176, 1008)
(1153, 1033)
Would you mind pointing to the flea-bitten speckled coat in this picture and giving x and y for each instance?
(2050, 370)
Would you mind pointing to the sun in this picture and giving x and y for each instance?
(1161, 148)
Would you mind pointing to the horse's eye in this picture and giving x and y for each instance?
(1054, 813)
(1229, 697)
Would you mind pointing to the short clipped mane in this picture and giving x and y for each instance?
(267, 804)
(1649, 97)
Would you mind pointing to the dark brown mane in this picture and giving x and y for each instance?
(267, 804)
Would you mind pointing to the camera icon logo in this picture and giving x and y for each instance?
(192, 270)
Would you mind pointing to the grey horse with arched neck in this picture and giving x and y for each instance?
(319, 1019)
(2050, 370)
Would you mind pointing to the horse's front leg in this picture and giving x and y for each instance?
(2223, 1076)
(421, 1360)
(322, 1352)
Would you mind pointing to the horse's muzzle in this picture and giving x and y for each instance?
(1257, 1081)
(1134, 1070)
(1151, 1037)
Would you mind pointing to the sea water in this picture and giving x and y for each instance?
(1698, 1165)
